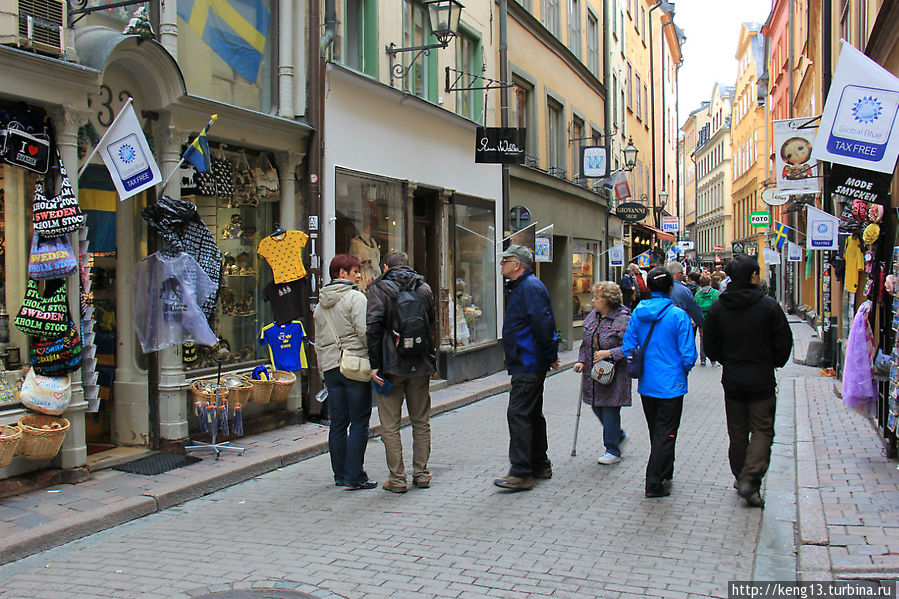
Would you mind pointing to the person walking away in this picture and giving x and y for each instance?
(705, 297)
(531, 347)
(604, 331)
(692, 281)
(717, 276)
(640, 291)
(627, 285)
(681, 296)
(667, 358)
(401, 315)
(747, 332)
(340, 327)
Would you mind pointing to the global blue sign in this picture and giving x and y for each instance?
(859, 116)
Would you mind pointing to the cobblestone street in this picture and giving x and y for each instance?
(587, 532)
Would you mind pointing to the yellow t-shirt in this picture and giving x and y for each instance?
(855, 261)
(284, 254)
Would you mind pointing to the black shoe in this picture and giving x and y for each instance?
(369, 484)
(546, 472)
(755, 500)
(340, 483)
(657, 491)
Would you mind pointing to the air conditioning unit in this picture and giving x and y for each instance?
(37, 25)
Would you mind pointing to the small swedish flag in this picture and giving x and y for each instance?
(197, 153)
(780, 234)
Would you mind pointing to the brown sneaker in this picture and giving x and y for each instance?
(393, 487)
(546, 472)
(515, 483)
(422, 483)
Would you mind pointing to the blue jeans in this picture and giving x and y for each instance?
(349, 405)
(612, 435)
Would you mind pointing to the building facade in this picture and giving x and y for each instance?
(714, 175)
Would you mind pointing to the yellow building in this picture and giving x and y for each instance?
(748, 140)
(714, 221)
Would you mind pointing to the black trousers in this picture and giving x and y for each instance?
(527, 426)
(663, 420)
(750, 426)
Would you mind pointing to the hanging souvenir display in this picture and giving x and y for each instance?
(859, 391)
(283, 252)
(56, 357)
(44, 315)
(46, 394)
(51, 258)
(286, 345)
(30, 151)
(244, 183)
(60, 214)
(223, 172)
(266, 178)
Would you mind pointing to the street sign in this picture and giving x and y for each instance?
(593, 161)
(738, 247)
(772, 198)
(669, 223)
(631, 212)
(759, 218)
(751, 250)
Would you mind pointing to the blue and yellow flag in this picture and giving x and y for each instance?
(780, 234)
(197, 153)
(236, 30)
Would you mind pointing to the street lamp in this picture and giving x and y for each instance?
(630, 155)
(658, 209)
(443, 22)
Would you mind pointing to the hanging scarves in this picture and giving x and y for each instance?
(859, 390)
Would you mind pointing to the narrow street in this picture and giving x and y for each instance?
(587, 532)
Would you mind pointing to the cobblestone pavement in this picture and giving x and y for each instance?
(587, 532)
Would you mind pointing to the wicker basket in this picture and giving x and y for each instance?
(205, 390)
(239, 390)
(40, 443)
(10, 436)
(261, 390)
(284, 381)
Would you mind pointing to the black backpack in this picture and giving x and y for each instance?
(410, 322)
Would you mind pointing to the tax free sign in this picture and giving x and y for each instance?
(858, 126)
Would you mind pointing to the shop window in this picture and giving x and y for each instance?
(235, 68)
(370, 220)
(473, 305)
(583, 262)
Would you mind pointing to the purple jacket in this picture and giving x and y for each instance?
(610, 336)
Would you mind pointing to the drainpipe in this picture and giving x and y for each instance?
(607, 128)
(330, 27)
(504, 107)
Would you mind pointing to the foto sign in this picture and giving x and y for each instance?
(669, 223)
(593, 162)
(759, 218)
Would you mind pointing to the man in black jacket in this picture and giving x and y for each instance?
(409, 372)
(747, 332)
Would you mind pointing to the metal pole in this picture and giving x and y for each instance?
(652, 108)
(504, 107)
(607, 129)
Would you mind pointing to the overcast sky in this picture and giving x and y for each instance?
(712, 29)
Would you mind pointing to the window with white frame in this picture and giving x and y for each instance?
(552, 18)
(469, 60)
(574, 27)
(555, 137)
(592, 43)
(416, 33)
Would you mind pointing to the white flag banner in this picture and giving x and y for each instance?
(794, 252)
(127, 155)
(860, 115)
(771, 257)
(616, 255)
(822, 232)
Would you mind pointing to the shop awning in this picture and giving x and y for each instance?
(657, 232)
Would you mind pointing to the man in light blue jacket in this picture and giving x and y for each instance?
(667, 358)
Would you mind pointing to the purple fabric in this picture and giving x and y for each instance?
(859, 390)
(610, 337)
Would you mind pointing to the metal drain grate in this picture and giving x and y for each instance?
(158, 463)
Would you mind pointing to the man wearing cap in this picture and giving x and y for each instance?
(531, 347)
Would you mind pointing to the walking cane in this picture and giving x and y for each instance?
(577, 420)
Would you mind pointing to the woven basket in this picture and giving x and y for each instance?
(284, 381)
(237, 393)
(261, 391)
(205, 390)
(10, 436)
(39, 443)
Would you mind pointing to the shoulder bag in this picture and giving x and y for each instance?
(244, 183)
(603, 370)
(355, 368)
(635, 356)
(60, 214)
(46, 394)
(42, 316)
(268, 185)
(56, 357)
(51, 258)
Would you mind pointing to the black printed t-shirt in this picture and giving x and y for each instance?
(286, 300)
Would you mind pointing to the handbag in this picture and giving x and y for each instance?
(266, 178)
(27, 150)
(61, 214)
(603, 371)
(56, 357)
(42, 316)
(223, 173)
(355, 368)
(635, 356)
(51, 258)
(46, 394)
(204, 183)
(244, 183)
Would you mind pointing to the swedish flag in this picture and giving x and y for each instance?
(780, 234)
(236, 30)
(197, 153)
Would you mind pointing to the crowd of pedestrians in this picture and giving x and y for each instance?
(644, 327)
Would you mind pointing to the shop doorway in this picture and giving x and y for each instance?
(425, 255)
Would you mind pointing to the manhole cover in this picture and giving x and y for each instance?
(257, 594)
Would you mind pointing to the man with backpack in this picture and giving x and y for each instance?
(531, 346)
(400, 320)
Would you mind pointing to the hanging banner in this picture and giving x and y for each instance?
(127, 155)
(543, 244)
(860, 184)
(793, 142)
(859, 115)
(499, 145)
(642, 260)
(593, 162)
(794, 252)
(616, 255)
(822, 230)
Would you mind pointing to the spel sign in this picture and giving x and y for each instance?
(759, 218)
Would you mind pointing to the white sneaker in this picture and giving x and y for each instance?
(608, 459)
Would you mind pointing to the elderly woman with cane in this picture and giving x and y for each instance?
(604, 331)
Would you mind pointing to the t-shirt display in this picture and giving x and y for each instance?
(286, 345)
(284, 254)
(286, 300)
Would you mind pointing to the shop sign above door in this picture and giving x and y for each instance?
(631, 212)
(593, 161)
(759, 218)
(860, 184)
(669, 223)
(499, 145)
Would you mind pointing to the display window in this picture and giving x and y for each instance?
(370, 218)
(583, 262)
(472, 307)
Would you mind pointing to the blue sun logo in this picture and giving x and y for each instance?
(823, 228)
(867, 109)
(127, 153)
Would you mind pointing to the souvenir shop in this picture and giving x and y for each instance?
(384, 189)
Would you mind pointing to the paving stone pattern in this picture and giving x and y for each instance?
(587, 532)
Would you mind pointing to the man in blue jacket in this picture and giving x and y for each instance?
(531, 347)
(682, 296)
(667, 358)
